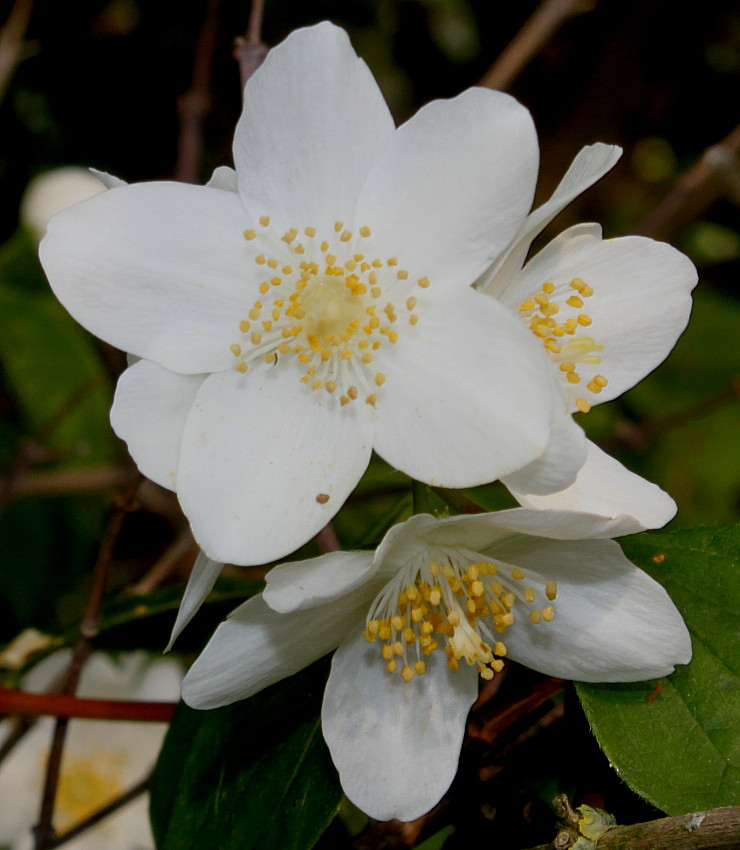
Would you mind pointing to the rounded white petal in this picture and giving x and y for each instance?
(260, 455)
(590, 164)
(110, 181)
(452, 187)
(224, 178)
(305, 584)
(54, 191)
(256, 647)
(603, 486)
(468, 395)
(200, 583)
(612, 623)
(149, 411)
(558, 466)
(396, 745)
(157, 269)
(640, 304)
(313, 122)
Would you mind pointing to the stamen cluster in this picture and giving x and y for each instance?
(323, 305)
(539, 312)
(447, 604)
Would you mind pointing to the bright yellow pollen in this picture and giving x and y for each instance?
(249, 234)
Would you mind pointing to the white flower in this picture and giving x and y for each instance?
(607, 312)
(54, 191)
(438, 604)
(102, 759)
(317, 303)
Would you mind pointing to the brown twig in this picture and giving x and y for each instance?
(717, 173)
(181, 547)
(195, 103)
(546, 20)
(249, 51)
(11, 41)
(134, 792)
(59, 705)
(63, 482)
(44, 831)
(489, 728)
(715, 829)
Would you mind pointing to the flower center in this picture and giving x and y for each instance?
(461, 601)
(539, 312)
(86, 785)
(328, 306)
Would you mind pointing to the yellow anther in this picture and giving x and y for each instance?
(553, 346)
(486, 673)
(284, 348)
(600, 381)
(317, 384)
(254, 313)
(453, 618)
(267, 325)
(236, 350)
(345, 354)
(310, 232)
(273, 263)
(402, 275)
(260, 259)
(477, 588)
(583, 405)
(517, 573)
(369, 636)
(407, 674)
(398, 648)
(452, 663)
(420, 668)
(423, 282)
(366, 358)
(373, 627)
(529, 594)
(352, 392)
(372, 399)
(324, 246)
(391, 666)
(551, 590)
(392, 261)
(497, 664)
(338, 225)
(548, 614)
(244, 326)
(346, 236)
(409, 635)
(548, 288)
(584, 320)
(535, 617)
(241, 366)
(270, 358)
(499, 648)
(577, 284)
(413, 319)
(573, 378)
(384, 632)
(256, 337)
(304, 358)
(508, 599)
(249, 234)
(379, 379)
(435, 596)
(265, 220)
(264, 287)
(575, 301)
(387, 652)
(330, 386)
(526, 306)
(542, 300)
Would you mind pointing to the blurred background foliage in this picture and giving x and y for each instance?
(101, 83)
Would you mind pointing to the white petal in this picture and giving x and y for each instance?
(591, 164)
(605, 487)
(200, 583)
(613, 623)
(110, 181)
(468, 395)
(257, 452)
(452, 187)
(257, 647)
(156, 269)
(396, 745)
(224, 178)
(149, 412)
(312, 124)
(557, 467)
(306, 584)
(640, 304)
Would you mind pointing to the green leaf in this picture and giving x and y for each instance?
(676, 741)
(255, 774)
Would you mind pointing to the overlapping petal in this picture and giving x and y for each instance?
(200, 583)
(313, 122)
(156, 269)
(640, 304)
(605, 487)
(149, 412)
(613, 623)
(452, 186)
(257, 647)
(467, 398)
(266, 463)
(590, 165)
(396, 745)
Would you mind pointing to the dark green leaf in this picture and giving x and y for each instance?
(255, 774)
(676, 741)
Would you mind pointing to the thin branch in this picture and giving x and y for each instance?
(59, 705)
(716, 174)
(12, 38)
(489, 728)
(715, 829)
(44, 831)
(249, 51)
(64, 482)
(195, 103)
(546, 20)
(134, 792)
(182, 546)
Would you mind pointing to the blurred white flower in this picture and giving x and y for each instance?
(438, 604)
(316, 303)
(54, 191)
(102, 759)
